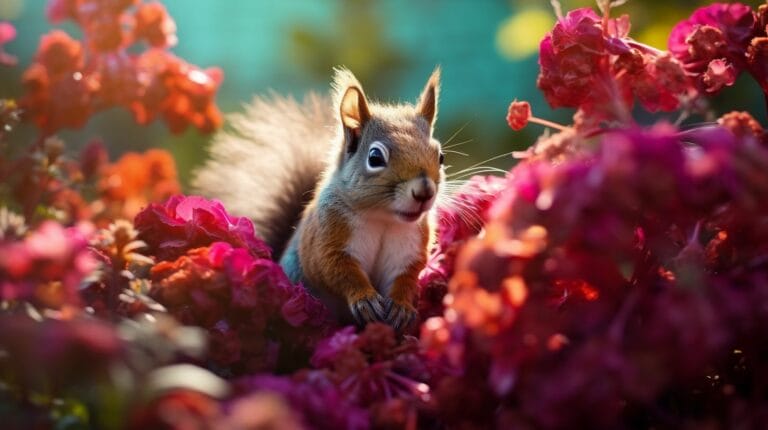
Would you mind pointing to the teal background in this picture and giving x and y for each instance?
(392, 46)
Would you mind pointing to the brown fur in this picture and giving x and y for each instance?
(266, 164)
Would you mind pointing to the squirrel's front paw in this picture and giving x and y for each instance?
(401, 316)
(370, 309)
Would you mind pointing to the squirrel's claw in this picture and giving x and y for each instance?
(400, 317)
(370, 309)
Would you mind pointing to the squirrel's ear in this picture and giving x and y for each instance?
(427, 105)
(353, 108)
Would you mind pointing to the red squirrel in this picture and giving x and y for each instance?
(341, 189)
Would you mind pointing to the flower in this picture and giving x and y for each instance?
(186, 222)
(177, 409)
(179, 92)
(608, 264)
(7, 33)
(135, 180)
(60, 54)
(58, 95)
(591, 63)
(518, 114)
(718, 33)
(315, 400)
(70, 81)
(51, 355)
(154, 25)
(461, 218)
(47, 266)
(253, 313)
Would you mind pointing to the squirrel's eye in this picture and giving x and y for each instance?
(442, 158)
(377, 157)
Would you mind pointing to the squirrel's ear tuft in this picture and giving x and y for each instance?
(427, 105)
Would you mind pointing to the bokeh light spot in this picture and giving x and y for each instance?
(519, 35)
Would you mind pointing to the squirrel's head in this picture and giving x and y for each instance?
(389, 162)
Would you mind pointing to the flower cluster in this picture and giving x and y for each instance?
(45, 266)
(604, 270)
(590, 63)
(457, 221)
(720, 41)
(186, 222)
(71, 80)
(256, 318)
(616, 277)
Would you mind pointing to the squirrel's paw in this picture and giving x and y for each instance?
(401, 316)
(370, 309)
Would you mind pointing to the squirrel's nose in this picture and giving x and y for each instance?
(423, 192)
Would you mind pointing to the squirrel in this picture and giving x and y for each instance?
(341, 189)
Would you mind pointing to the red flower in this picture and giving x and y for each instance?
(518, 115)
(662, 85)
(743, 125)
(155, 26)
(718, 32)
(58, 94)
(152, 84)
(107, 34)
(757, 61)
(253, 313)
(183, 223)
(180, 409)
(59, 53)
(181, 93)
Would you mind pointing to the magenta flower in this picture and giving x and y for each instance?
(254, 314)
(590, 62)
(720, 32)
(186, 222)
(317, 402)
(47, 266)
(7, 33)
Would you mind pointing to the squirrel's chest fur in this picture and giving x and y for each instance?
(384, 249)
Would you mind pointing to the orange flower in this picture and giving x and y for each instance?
(136, 180)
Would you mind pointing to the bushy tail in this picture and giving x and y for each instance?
(266, 163)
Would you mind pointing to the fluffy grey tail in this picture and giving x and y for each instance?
(266, 163)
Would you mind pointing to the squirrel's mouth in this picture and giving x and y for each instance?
(409, 216)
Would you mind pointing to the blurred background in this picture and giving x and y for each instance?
(487, 50)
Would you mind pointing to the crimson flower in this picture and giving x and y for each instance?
(186, 222)
(518, 115)
(254, 314)
(720, 33)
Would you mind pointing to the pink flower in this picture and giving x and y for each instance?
(590, 63)
(253, 313)
(186, 222)
(47, 266)
(719, 74)
(718, 32)
(7, 33)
